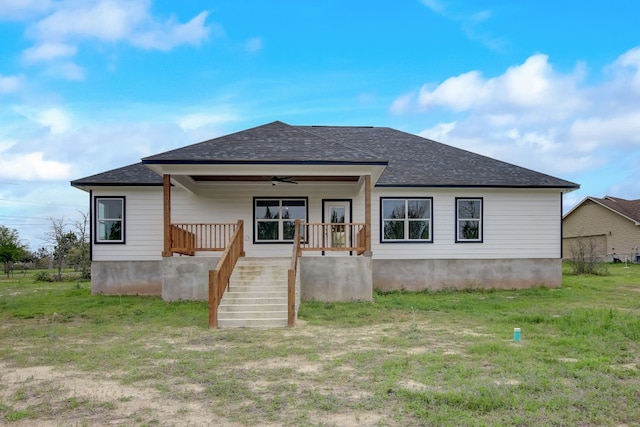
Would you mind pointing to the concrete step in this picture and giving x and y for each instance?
(252, 323)
(257, 294)
(252, 307)
(255, 287)
(265, 260)
(252, 314)
(243, 299)
(259, 280)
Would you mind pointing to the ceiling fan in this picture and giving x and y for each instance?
(285, 179)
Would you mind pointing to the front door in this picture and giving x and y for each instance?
(337, 213)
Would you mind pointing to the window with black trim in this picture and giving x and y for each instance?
(275, 218)
(406, 220)
(469, 220)
(109, 216)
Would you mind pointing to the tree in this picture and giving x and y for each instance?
(63, 242)
(70, 245)
(43, 258)
(11, 249)
(80, 254)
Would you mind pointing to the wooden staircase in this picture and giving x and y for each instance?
(257, 294)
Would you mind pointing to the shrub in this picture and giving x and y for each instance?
(43, 276)
(584, 257)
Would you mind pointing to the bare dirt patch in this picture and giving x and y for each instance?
(81, 396)
(157, 393)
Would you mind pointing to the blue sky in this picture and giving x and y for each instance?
(91, 85)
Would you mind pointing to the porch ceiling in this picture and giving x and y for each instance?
(264, 178)
(196, 177)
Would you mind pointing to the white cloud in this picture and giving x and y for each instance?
(23, 9)
(458, 93)
(167, 35)
(32, 167)
(403, 104)
(621, 130)
(9, 84)
(60, 32)
(48, 51)
(470, 21)
(535, 116)
(118, 20)
(198, 120)
(627, 70)
(5, 144)
(439, 132)
(531, 85)
(67, 70)
(253, 45)
(107, 20)
(56, 120)
(435, 5)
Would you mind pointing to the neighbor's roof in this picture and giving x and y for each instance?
(411, 160)
(629, 209)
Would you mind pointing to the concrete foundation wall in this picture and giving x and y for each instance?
(435, 275)
(186, 278)
(336, 278)
(329, 278)
(126, 277)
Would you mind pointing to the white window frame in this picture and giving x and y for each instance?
(406, 220)
(478, 219)
(280, 220)
(100, 220)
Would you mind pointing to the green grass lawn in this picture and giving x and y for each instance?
(447, 358)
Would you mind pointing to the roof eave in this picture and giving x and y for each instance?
(86, 185)
(549, 187)
(265, 162)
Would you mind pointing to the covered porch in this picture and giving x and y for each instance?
(335, 236)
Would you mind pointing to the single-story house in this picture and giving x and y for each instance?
(377, 208)
(604, 229)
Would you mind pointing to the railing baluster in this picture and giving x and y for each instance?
(187, 238)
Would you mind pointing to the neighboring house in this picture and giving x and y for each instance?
(380, 209)
(603, 227)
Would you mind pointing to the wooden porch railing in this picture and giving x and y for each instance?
(186, 239)
(315, 236)
(219, 277)
(292, 274)
(361, 241)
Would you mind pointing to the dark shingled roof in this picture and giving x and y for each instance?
(270, 143)
(411, 160)
(421, 162)
(136, 174)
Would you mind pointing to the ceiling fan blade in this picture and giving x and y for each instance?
(285, 179)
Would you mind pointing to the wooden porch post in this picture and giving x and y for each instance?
(166, 196)
(214, 291)
(367, 212)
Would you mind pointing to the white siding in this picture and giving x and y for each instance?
(521, 223)
(143, 226)
(516, 224)
(222, 203)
